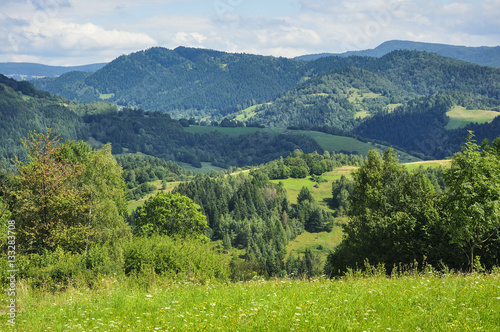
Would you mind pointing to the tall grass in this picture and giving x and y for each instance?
(409, 302)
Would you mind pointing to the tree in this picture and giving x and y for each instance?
(104, 189)
(393, 217)
(473, 200)
(305, 195)
(172, 215)
(48, 206)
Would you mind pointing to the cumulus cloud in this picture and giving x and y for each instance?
(105, 29)
(55, 38)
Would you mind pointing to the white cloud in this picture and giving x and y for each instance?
(101, 30)
(55, 38)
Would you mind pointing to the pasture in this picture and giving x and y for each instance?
(408, 302)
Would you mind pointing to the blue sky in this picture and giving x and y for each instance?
(73, 32)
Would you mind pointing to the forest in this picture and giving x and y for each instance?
(25, 108)
(368, 97)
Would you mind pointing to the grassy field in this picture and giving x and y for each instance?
(445, 163)
(322, 193)
(206, 167)
(321, 243)
(376, 303)
(460, 117)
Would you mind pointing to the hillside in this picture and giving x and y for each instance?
(23, 108)
(209, 84)
(340, 95)
(183, 81)
(485, 56)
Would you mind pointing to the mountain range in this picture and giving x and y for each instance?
(484, 55)
(29, 71)
(399, 98)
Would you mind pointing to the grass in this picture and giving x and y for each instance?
(445, 163)
(205, 167)
(321, 243)
(322, 193)
(249, 112)
(377, 303)
(106, 96)
(361, 114)
(460, 117)
(230, 131)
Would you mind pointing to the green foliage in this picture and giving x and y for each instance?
(183, 81)
(104, 189)
(180, 259)
(140, 170)
(171, 214)
(395, 217)
(250, 211)
(47, 204)
(341, 191)
(473, 199)
(299, 164)
(304, 267)
(67, 196)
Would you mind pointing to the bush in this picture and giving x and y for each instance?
(179, 258)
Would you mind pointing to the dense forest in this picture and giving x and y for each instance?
(25, 108)
(363, 96)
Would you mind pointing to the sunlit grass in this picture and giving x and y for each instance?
(460, 117)
(321, 243)
(408, 303)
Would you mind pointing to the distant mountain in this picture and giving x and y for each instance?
(182, 81)
(187, 82)
(391, 98)
(486, 56)
(29, 71)
(343, 91)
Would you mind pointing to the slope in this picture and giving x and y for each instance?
(183, 81)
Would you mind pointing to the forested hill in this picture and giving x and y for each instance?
(486, 56)
(23, 108)
(196, 82)
(181, 80)
(352, 94)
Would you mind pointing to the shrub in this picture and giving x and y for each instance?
(177, 258)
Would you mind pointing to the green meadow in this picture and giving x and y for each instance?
(408, 302)
(460, 117)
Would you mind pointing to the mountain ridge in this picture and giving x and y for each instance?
(30, 70)
(482, 55)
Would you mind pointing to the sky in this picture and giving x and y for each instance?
(77, 32)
